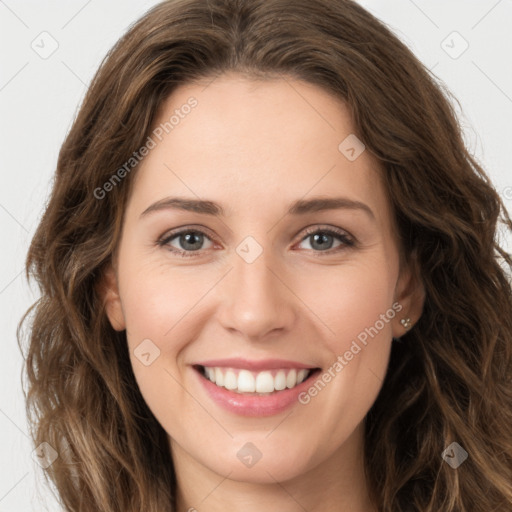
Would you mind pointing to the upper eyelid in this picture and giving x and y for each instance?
(178, 231)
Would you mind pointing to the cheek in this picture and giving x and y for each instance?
(356, 306)
(158, 309)
(349, 299)
(156, 304)
(157, 301)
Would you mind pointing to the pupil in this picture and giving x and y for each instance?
(188, 238)
(322, 237)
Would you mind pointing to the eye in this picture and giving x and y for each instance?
(189, 242)
(323, 238)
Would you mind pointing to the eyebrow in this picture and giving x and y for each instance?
(300, 207)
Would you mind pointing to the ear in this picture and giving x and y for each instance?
(410, 294)
(108, 290)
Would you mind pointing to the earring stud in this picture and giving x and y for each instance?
(406, 322)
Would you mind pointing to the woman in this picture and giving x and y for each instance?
(270, 277)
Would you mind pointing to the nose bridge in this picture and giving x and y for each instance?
(255, 301)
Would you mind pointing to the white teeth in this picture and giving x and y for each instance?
(230, 380)
(291, 379)
(245, 381)
(219, 377)
(280, 381)
(264, 382)
(301, 375)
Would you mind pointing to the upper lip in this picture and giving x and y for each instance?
(246, 364)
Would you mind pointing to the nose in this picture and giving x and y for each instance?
(256, 302)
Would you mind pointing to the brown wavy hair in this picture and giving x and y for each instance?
(449, 378)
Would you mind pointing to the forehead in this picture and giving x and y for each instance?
(256, 144)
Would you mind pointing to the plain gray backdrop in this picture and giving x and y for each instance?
(49, 53)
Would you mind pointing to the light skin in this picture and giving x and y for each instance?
(255, 147)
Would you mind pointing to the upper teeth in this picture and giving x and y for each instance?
(245, 381)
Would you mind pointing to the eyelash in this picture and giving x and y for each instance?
(347, 241)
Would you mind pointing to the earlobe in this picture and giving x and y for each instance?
(108, 291)
(410, 294)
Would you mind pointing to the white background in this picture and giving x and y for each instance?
(39, 99)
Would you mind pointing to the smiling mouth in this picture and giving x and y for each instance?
(260, 383)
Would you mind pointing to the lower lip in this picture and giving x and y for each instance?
(254, 405)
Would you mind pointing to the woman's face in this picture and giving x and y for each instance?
(262, 282)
